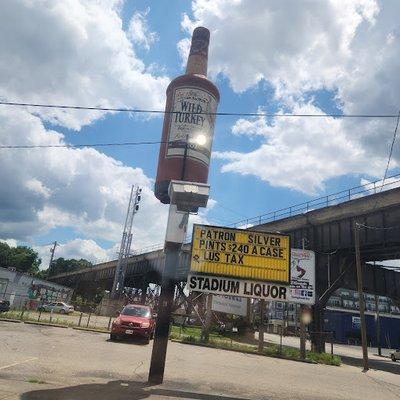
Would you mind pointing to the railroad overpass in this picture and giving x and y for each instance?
(329, 231)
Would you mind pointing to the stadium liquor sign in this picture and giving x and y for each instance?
(252, 264)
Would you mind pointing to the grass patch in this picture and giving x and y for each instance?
(324, 358)
(38, 381)
(193, 335)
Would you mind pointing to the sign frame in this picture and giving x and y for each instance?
(282, 283)
(297, 283)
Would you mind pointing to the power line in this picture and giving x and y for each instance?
(151, 111)
(46, 146)
(391, 150)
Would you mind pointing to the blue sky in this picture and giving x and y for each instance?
(262, 58)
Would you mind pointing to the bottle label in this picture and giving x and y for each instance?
(191, 128)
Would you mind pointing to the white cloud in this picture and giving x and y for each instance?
(78, 188)
(380, 186)
(72, 52)
(10, 242)
(299, 153)
(296, 46)
(139, 32)
(76, 249)
(349, 48)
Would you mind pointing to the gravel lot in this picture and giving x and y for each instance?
(38, 362)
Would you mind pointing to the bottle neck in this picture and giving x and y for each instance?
(198, 56)
(197, 64)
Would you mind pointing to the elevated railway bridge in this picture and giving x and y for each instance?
(329, 231)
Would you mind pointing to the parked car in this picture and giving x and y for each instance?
(58, 307)
(134, 320)
(4, 305)
(395, 355)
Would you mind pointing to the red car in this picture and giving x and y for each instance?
(134, 320)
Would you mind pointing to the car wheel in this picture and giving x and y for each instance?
(113, 336)
(393, 357)
(147, 340)
(152, 335)
(62, 311)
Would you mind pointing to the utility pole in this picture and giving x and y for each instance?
(52, 251)
(302, 324)
(302, 333)
(378, 325)
(361, 296)
(125, 248)
(261, 328)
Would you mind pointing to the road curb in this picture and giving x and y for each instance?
(245, 352)
(18, 321)
(78, 328)
(45, 324)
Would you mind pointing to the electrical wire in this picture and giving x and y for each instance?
(151, 111)
(47, 146)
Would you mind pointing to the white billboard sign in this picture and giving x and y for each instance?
(237, 287)
(230, 305)
(302, 277)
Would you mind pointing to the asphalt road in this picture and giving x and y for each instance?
(78, 365)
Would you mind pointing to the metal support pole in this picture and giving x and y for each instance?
(157, 364)
(207, 325)
(361, 297)
(124, 252)
(80, 319)
(302, 334)
(176, 231)
(52, 251)
(261, 328)
(143, 295)
(378, 325)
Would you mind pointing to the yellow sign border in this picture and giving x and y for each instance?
(282, 282)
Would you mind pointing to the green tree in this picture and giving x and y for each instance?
(62, 265)
(5, 253)
(22, 258)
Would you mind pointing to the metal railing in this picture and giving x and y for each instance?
(321, 202)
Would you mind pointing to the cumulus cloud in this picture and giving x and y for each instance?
(78, 188)
(139, 31)
(299, 153)
(73, 52)
(76, 249)
(348, 48)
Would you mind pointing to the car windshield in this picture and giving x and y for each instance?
(136, 311)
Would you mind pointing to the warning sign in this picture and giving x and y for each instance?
(243, 254)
